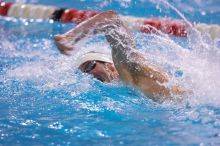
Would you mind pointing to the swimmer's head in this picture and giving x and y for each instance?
(99, 65)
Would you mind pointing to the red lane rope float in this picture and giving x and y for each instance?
(171, 27)
(76, 16)
(4, 7)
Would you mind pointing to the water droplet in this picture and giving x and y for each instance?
(203, 13)
(178, 73)
(26, 23)
(56, 125)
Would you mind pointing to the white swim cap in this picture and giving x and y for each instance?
(94, 56)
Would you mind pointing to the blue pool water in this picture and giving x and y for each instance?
(45, 100)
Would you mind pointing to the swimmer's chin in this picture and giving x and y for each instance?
(108, 81)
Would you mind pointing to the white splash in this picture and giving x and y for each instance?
(198, 59)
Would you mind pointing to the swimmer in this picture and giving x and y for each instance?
(127, 63)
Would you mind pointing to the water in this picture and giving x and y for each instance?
(45, 100)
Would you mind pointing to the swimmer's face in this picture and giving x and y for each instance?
(103, 71)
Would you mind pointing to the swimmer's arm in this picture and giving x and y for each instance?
(133, 67)
(96, 24)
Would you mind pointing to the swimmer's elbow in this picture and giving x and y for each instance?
(179, 90)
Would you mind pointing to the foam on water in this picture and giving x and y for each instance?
(200, 65)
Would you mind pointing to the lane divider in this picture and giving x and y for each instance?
(172, 27)
(31, 11)
(212, 29)
(76, 16)
(4, 7)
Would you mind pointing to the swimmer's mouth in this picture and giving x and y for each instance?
(100, 78)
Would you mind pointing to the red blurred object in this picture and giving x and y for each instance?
(4, 7)
(173, 27)
(153, 25)
(76, 16)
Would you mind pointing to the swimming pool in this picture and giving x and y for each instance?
(45, 100)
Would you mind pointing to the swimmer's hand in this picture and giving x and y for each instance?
(62, 44)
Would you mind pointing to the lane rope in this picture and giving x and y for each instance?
(165, 25)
